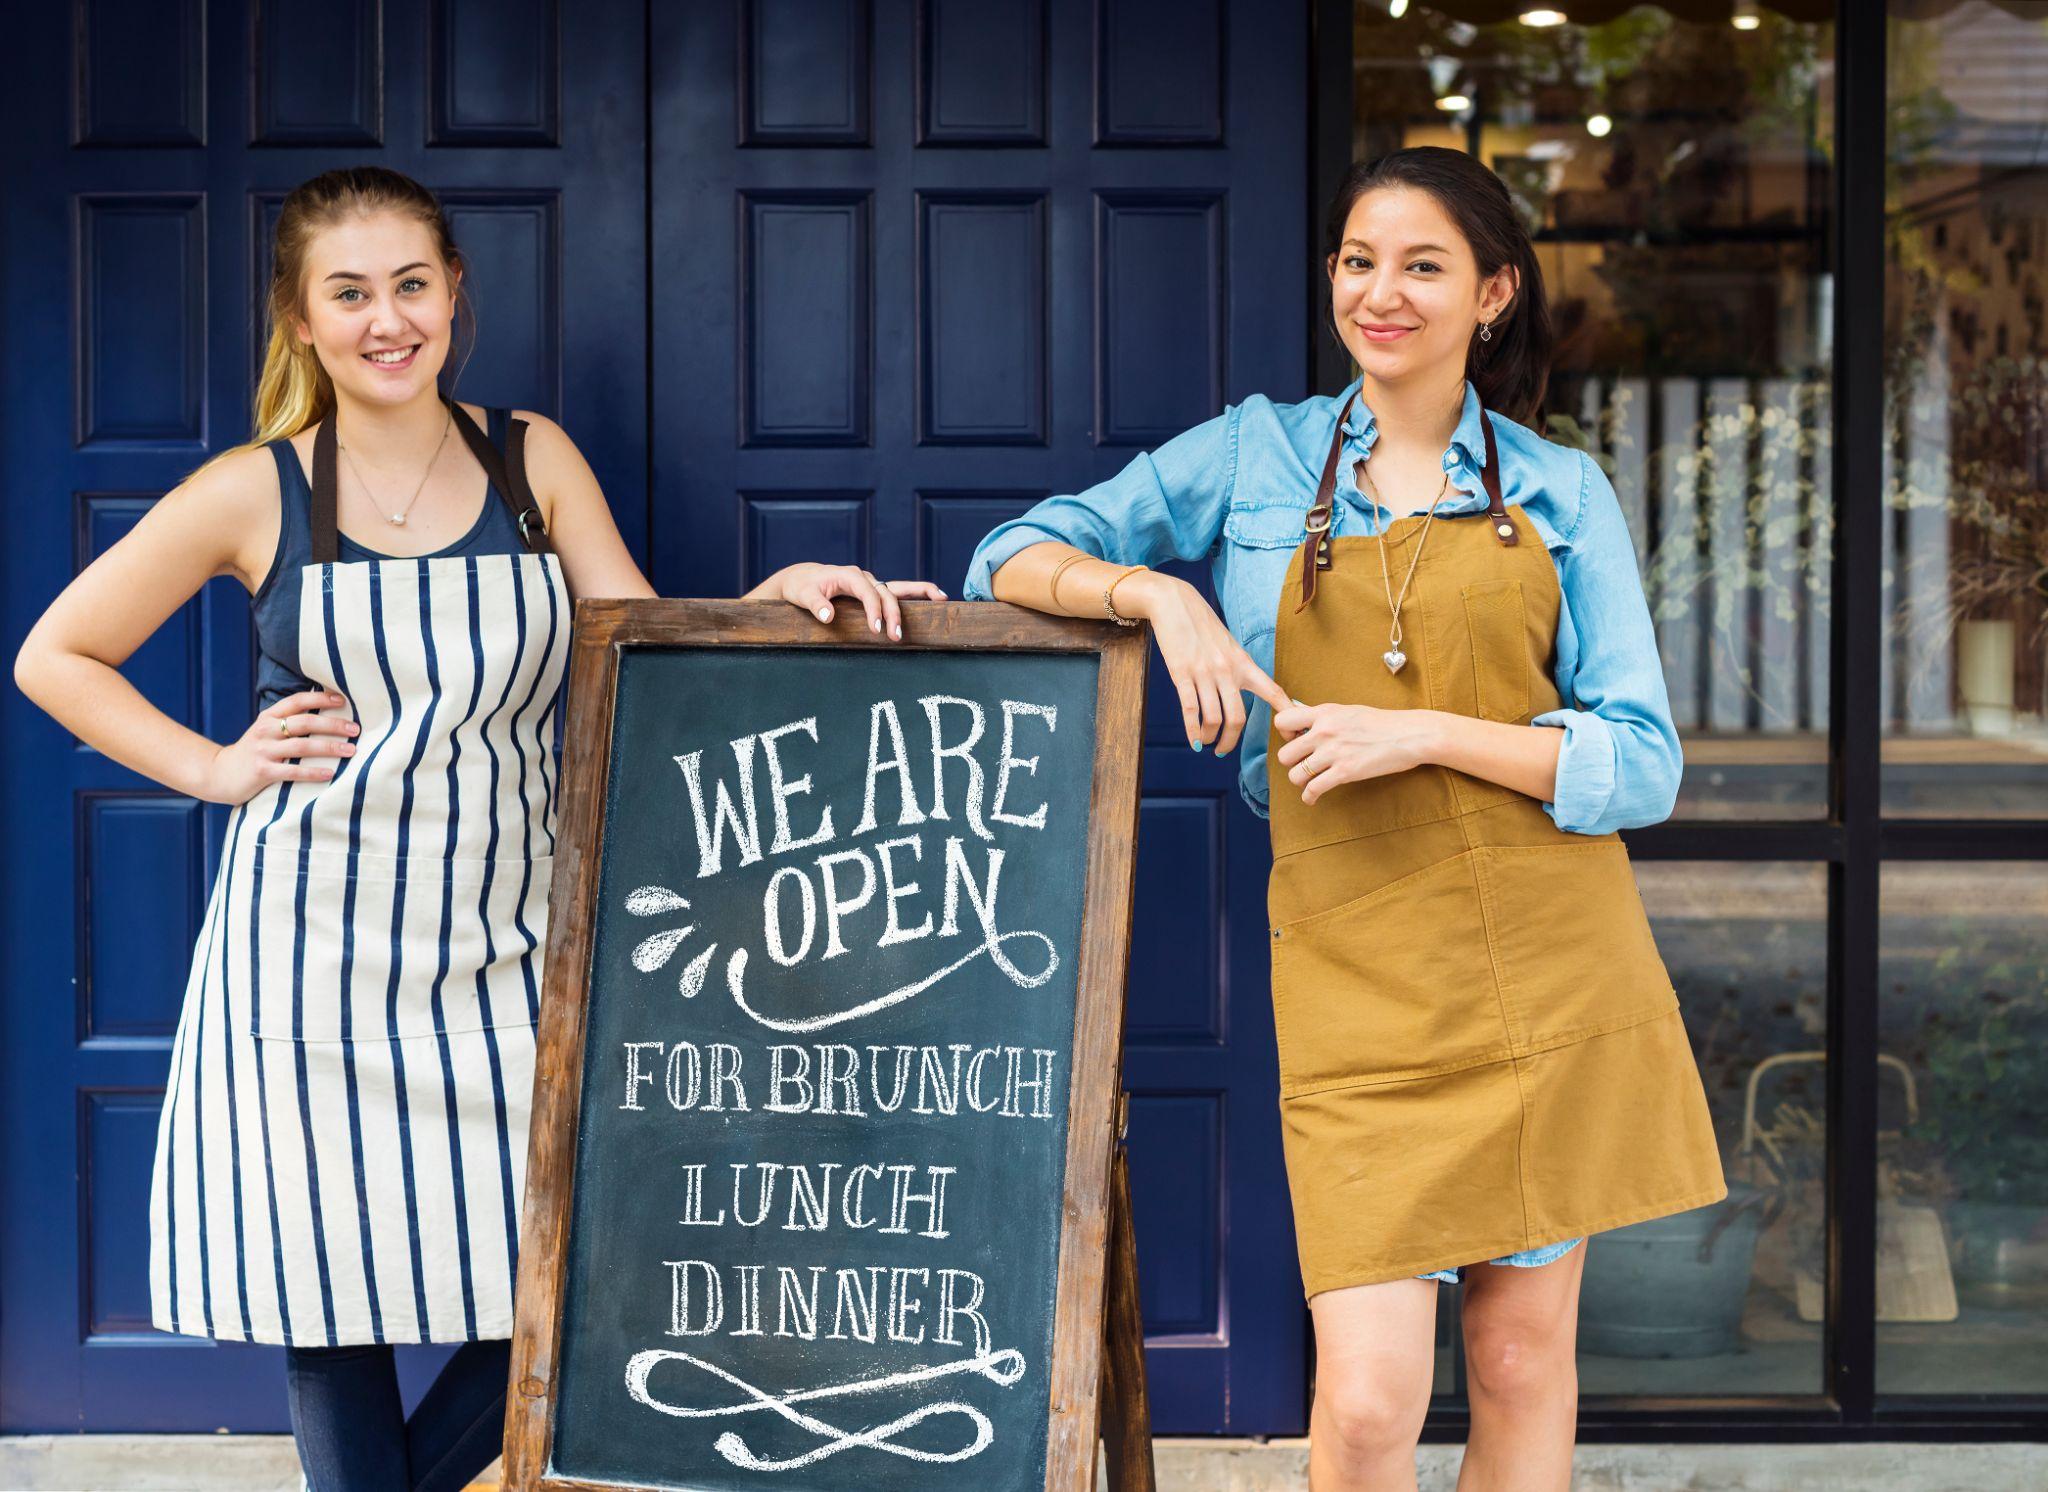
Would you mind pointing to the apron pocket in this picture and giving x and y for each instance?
(1393, 984)
(1500, 648)
(392, 947)
(1576, 953)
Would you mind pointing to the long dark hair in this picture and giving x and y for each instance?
(1512, 368)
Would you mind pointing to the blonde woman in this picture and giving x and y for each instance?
(342, 1145)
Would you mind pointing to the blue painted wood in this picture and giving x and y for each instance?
(1155, 280)
(132, 274)
(803, 72)
(981, 73)
(165, 668)
(141, 872)
(141, 334)
(1159, 72)
(781, 528)
(139, 95)
(316, 79)
(851, 408)
(495, 75)
(1159, 296)
(806, 260)
(982, 318)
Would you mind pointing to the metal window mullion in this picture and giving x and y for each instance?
(1854, 724)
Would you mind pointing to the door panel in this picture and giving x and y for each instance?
(144, 184)
(921, 264)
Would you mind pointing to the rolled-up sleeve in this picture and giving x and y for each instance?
(1619, 764)
(1167, 504)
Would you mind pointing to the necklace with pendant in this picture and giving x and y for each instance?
(398, 518)
(1394, 657)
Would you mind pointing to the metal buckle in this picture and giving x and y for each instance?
(1309, 523)
(531, 515)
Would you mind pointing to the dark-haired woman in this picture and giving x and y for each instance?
(343, 1139)
(1481, 1054)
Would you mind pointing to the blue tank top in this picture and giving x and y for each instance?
(276, 602)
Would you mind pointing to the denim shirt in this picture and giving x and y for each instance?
(1235, 489)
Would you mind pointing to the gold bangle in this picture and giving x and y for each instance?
(1053, 589)
(1109, 597)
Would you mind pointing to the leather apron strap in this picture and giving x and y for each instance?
(507, 475)
(1315, 545)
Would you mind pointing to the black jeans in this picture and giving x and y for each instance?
(352, 1432)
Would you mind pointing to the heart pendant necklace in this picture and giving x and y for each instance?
(1393, 657)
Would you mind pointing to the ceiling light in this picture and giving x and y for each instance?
(1542, 18)
(1599, 125)
(1454, 103)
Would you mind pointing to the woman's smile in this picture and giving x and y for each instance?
(382, 357)
(1376, 332)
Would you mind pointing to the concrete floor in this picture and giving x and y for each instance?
(265, 1463)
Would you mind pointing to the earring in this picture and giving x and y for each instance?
(1486, 331)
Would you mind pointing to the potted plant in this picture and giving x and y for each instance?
(1676, 1286)
(1985, 1032)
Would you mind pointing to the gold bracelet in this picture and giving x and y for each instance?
(1109, 598)
(1053, 590)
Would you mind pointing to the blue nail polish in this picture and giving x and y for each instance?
(1196, 744)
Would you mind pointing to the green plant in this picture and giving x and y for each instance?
(1986, 468)
(1750, 472)
(1984, 1033)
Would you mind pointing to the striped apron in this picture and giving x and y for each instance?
(342, 1146)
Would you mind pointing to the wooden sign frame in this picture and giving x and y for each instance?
(1097, 1351)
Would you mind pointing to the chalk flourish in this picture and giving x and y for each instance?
(1004, 1367)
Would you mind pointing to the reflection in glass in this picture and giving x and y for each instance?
(1676, 176)
(1725, 1299)
(1962, 1264)
(1731, 1291)
(1966, 395)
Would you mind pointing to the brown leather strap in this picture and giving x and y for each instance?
(1496, 509)
(1315, 546)
(326, 545)
(507, 475)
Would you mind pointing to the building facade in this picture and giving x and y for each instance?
(856, 279)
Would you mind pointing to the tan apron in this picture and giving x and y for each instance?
(1480, 1049)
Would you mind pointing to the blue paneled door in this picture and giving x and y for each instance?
(149, 149)
(919, 264)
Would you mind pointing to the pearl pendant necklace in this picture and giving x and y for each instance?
(397, 519)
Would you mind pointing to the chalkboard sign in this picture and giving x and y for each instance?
(825, 1105)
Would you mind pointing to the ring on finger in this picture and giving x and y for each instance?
(284, 726)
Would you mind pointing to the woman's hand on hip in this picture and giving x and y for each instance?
(1209, 668)
(811, 587)
(271, 749)
(1333, 744)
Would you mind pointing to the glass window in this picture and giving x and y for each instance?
(1962, 1224)
(1676, 175)
(1966, 404)
(1725, 1299)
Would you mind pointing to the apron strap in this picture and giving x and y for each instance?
(507, 475)
(1496, 510)
(1315, 545)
